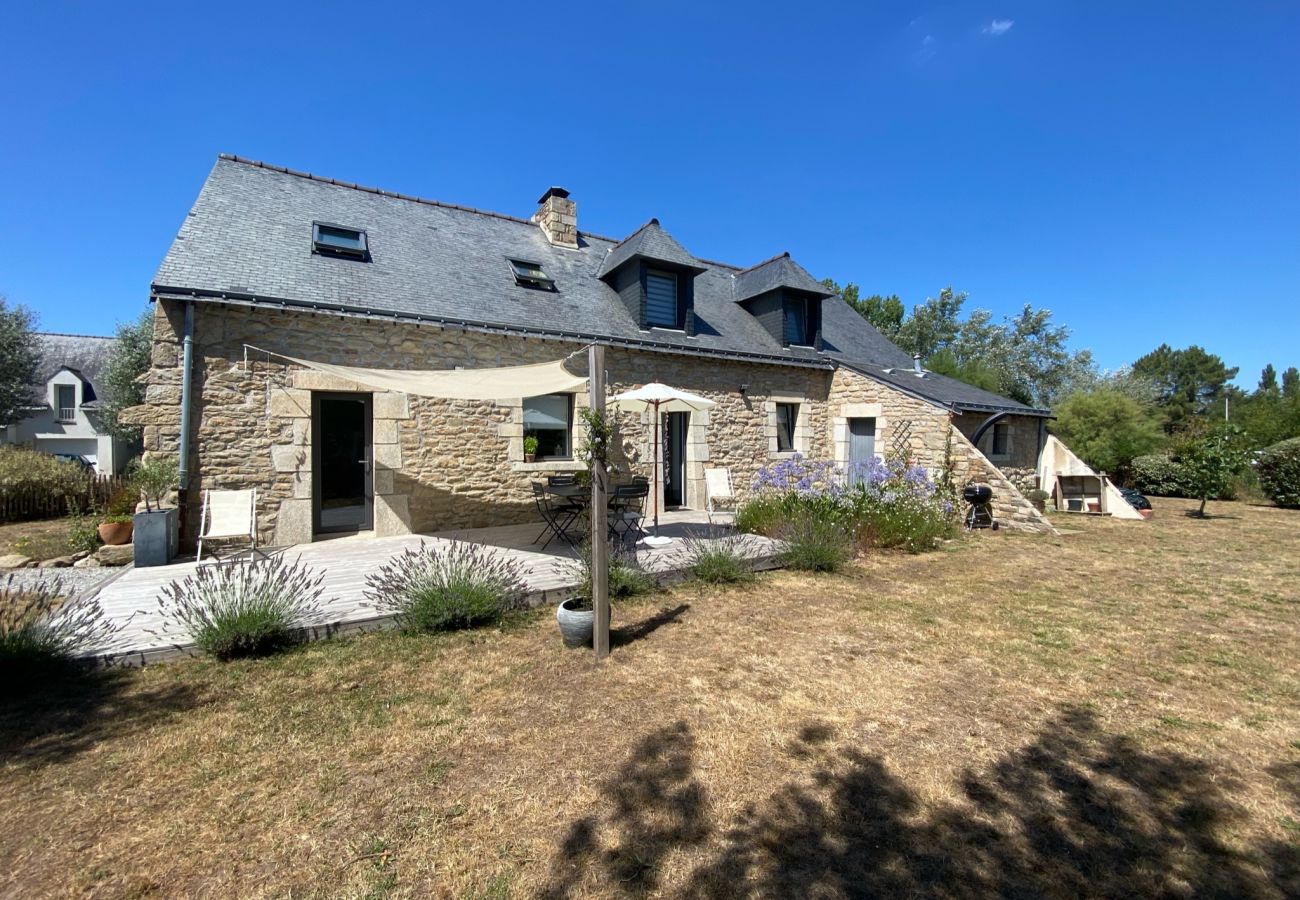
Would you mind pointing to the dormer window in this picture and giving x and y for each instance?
(661, 307)
(799, 318)
(530, 274)
(338, 240)
(65, 399)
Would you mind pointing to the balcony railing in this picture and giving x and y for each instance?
(67, 414)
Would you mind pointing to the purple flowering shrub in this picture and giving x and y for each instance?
(883, 503)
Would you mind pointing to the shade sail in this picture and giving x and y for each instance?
(662, 397)
(504, 383)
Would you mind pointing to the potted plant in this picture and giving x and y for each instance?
(530, 448)
(156, 531)
(576, 616)
(115, 521)
(1038, 497)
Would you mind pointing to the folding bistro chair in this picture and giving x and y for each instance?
(229, 514)
(558, 518)
(627, 509)
(717, 487)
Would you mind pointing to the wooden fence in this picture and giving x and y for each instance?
(40, 502)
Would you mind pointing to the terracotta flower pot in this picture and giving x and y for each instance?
(529, 457)
(114, 534)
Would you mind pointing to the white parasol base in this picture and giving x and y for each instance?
(654, 540)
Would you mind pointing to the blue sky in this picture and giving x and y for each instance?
(1133, 167)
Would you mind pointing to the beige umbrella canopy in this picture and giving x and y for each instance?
(659, 398)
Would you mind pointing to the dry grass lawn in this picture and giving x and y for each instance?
(1114, 712)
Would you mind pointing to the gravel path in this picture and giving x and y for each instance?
(75, 581)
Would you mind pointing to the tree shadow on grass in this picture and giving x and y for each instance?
(626, 634)
(55, 717)
(1076, 812)
(656, 806)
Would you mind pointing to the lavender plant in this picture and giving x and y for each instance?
(882, 503)
(717, 560)
(433, 588)
(41, 630)
(244, 608)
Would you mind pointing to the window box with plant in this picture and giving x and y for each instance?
(156, 531)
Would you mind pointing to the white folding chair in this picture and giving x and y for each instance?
(228, 514)
(717, 486)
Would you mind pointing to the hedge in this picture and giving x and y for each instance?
(1279, 473)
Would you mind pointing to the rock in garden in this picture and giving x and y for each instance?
(115, 556)
(80, 555)
(59, 562)
(87, 562)
(16, 561)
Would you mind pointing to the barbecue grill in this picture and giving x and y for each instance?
(979, 497)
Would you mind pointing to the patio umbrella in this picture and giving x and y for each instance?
(659, 399)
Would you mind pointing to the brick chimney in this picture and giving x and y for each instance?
(558, 218)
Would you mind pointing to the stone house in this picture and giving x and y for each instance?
(64, 415)
(273, 262)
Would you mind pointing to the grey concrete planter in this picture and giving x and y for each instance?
(575, 625)
(156, 537)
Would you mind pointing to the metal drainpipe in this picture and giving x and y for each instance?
(187, 378)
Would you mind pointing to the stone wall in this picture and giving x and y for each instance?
(1022, 438)
(445, 464)
(439, 464)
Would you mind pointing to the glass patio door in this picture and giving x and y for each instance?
(342, 463)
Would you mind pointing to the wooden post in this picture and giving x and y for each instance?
(599, 511)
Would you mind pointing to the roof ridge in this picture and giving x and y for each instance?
(653, 220)
(411, 198)
(783, 254)
(98, 337)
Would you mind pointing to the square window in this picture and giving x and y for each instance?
(1001, 439)
(661, 299)
(531, 274)
(338, 240)
(549, 419)
(787, 417)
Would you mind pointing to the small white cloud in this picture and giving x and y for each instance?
(926, 51)
(998, 27)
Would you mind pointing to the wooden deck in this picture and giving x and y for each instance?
(347, 562)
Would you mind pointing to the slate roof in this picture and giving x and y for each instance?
(777, 272)
(86, 355)
(247, 239)
(649, 242)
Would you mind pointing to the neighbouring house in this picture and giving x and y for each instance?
(64, 418)
(272, 261)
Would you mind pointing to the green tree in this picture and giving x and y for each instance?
(1107, 428)
(884, 313)
(1268, 415)
(20, 354)
(130, 359)
(1268, 380)
(973, 372)
(932, 325)
(1028, 353)
(1291, 382)
(1210, 458)
(1188, 382)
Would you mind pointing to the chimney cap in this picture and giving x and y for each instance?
(554, 191)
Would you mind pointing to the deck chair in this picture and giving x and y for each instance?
(717, 490)
(228, 514)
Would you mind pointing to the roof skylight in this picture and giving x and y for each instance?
(530, 274)
(339, 240)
